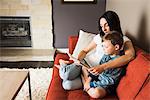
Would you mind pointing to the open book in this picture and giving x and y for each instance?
(76, 60)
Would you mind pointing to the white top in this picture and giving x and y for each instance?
(94, 58)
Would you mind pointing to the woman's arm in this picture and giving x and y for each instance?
(118, 62)
(83, 53)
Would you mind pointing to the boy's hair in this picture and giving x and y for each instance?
(115, 38)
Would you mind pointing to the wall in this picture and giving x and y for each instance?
(135, 19)
(41, 21)
(68, 19)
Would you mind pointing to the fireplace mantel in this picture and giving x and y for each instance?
(13, 55)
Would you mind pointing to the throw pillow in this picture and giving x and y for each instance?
(84, 39)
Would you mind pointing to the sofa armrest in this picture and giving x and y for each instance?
(130, 87)
(72, 41)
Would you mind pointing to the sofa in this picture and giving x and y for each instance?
(134, 85)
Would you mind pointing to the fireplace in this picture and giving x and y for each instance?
(15, 31)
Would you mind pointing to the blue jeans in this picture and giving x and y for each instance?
(71, 76)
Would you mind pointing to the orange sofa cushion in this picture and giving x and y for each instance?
(136, 73)
(144, 94)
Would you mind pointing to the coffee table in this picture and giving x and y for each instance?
(11, 82)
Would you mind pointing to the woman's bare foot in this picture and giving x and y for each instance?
(58, 66)
(63, 61)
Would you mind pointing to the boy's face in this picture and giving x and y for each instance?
(108, 47)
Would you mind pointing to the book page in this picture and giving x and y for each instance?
(77, 61)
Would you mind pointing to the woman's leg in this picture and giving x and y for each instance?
(62, 68)
(97, 92)
(70, 72)
(72, 84)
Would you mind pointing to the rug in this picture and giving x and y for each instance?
(40, 79)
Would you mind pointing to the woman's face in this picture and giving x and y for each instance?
(104, 25)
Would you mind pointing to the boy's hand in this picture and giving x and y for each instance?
(96, 70)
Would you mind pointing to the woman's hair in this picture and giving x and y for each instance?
(113, 22)
(115, 37)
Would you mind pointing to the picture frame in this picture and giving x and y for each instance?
(79, 1)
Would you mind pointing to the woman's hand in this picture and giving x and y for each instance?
(96, 70)
(87, 49)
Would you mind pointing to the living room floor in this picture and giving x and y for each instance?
(38, 62)
(40, 78)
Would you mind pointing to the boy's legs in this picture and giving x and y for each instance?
(97, 92)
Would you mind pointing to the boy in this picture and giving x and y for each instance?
(108, 79)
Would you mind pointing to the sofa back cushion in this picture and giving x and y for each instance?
(84, 40)
(136, 74)
(72, 41)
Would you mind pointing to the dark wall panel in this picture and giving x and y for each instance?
(68, 19)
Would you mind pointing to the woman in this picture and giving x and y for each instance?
(109, 21)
